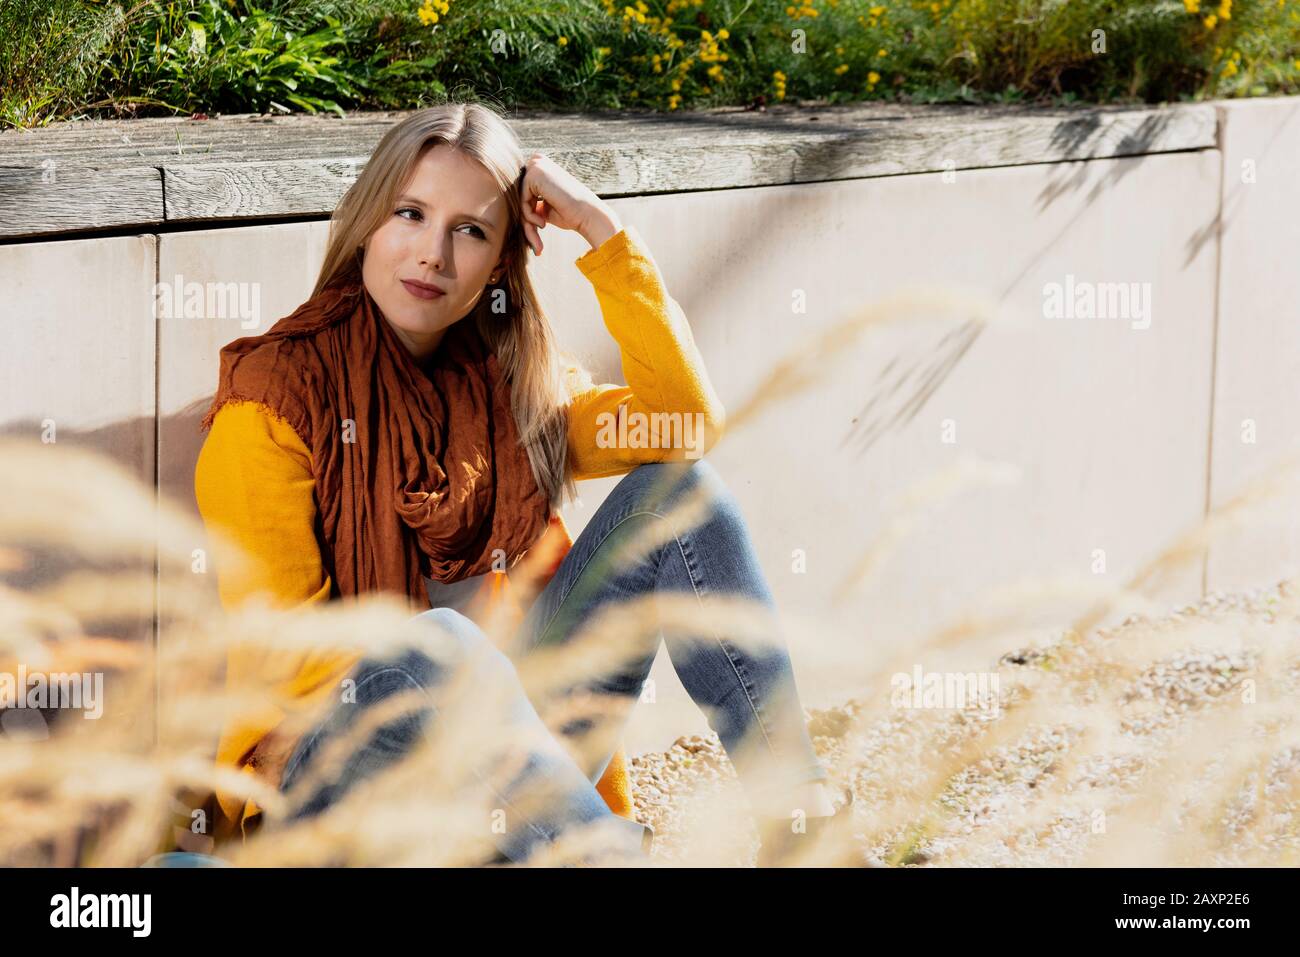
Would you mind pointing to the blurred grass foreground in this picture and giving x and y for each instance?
(63, 59)
(1168, 739)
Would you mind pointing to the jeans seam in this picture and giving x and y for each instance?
(690, 573)
(569, 590)
(316, 731)
(745, 684)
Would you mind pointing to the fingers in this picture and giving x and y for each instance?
(532, 215)
(535, 212)
(534, 238)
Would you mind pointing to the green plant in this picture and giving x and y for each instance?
(72, 57)
(208, 55)
(48, 51)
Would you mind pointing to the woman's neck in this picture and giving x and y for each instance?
(421, 347)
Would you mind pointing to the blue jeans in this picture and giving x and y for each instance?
(748, 695)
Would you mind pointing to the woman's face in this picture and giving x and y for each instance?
(445, 229)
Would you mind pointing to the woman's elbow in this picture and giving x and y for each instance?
(713, 419)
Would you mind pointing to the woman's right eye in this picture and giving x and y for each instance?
(407, 209)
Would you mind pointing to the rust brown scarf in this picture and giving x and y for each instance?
(418, 468)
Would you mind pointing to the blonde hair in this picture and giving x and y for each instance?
(523, 340)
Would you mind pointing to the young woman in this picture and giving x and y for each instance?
(412, 425)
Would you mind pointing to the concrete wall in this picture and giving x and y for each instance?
(1107, 424)
(1257, 358)
(78, 345)
(77, 366)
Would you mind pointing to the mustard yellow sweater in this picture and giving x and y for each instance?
(253, 479)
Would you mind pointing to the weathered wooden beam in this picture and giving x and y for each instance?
(58, 198)
(145, 172)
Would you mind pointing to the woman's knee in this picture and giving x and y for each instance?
(662, 485)
(659, 483)
(469, 645)
(425, 664)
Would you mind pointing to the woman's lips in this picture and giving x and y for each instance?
(422, 292)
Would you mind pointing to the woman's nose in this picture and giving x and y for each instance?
(433, 252)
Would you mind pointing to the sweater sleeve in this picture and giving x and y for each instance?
(668, 410)
(253, 480)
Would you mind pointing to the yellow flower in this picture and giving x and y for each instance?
(429, 12)
(563, 41)
(1225, 10)
(882, 53)
(876, 11)
(1193, 6)
(873, 77)
(841, 69)
(778, 76)
(723, 34)
(1210, 21)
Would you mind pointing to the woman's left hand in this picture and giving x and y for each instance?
(552, 195)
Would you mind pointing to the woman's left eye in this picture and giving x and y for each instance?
(419, 216)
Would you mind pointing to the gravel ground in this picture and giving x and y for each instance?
(1043, 795)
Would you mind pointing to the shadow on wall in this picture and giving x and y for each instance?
(131, 444)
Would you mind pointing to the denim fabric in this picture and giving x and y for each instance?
(747, 695)
(185, 859)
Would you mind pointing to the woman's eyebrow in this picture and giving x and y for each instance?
(408, 198)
